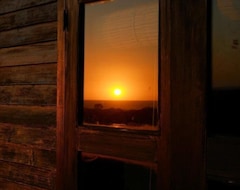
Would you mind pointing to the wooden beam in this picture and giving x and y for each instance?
(119, 144)
(183, 94)
(67, 96)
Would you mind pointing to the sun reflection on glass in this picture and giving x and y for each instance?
(117, 92)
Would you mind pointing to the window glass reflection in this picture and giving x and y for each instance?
(121, 63)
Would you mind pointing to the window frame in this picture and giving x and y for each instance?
(155, 130)
(181, 145)
(114, 143)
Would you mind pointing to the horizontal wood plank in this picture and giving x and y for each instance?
(28, 115)
(39, 177)
(141, 148)
(12, 185)
(28, 155)
(16, 153)
(43, 138)
(13, 5)
(28, 94)
(30, 136)
(45, 158)
(29, 35)
(26, 17)
(5, 132)
(32, 74)
(29, 54)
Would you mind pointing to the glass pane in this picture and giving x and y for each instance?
(225, 44)
(225, 59)
(121, 63)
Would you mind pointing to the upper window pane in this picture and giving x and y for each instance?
(121, 63)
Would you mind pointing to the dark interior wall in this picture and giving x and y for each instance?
(109, 174)
(223, 34)
(224, 112)
(223, 126)
(28, 66)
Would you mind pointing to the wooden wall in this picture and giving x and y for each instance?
(28, 61)
(28, 66)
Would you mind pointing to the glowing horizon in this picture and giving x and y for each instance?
(121, 50)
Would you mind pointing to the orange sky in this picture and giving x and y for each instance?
(121, 50)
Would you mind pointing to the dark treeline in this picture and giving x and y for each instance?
(98, 115)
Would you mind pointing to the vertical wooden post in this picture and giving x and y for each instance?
(164, 150)
(181, 155)
(67, 95)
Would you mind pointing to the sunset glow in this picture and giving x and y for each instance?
(121, 50)
(121, 59)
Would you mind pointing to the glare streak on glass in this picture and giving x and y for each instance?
(121, 63)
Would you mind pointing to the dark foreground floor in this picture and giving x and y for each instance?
(113, 175)
(214, 185)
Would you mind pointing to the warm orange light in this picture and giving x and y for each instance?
(121, 58)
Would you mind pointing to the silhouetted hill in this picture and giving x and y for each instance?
(110, 116)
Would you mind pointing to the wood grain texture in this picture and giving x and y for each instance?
(14, 5)
(6, 184)
(183, 114)
(122, 145)
(180, 147)
(38, 177)
(29, 54)
(16, 153)
(28, 95)
(67, 97)
(37, 137)
(45, 158)
(41, 74)
(28, 155)
(28, 65)
(181, 144)
(164, 141)
(28, 115)
(29, 35)
(31, 16)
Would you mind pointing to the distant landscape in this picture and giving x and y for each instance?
(145, 113)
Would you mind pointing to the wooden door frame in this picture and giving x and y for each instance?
(67, 95)
(180, 149)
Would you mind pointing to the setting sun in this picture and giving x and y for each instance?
(121, 58)
(117, 92)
